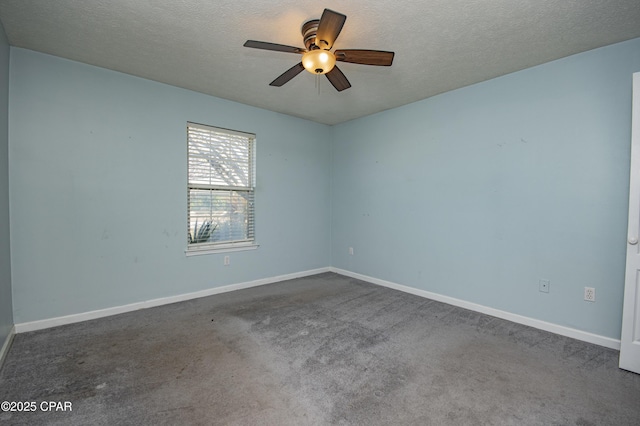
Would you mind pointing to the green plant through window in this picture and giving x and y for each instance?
(202, 234)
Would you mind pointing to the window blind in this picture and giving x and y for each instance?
(221, 183)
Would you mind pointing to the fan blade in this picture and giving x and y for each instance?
(337, 78)
(287, 75)
(273, 46)
(365, 57)
(328, 29)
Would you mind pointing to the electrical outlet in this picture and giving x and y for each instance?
(590, 294)
(544, 286)
(227, 261)
(351, 251)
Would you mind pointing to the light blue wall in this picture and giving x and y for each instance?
(480, 192)
(6, 309)
(98, 189)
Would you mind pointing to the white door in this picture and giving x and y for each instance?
(630, 337)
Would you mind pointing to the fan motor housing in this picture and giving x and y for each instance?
(309, 31)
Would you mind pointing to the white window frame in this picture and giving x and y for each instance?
(194, 249)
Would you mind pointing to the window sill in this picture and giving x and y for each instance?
(221, 249)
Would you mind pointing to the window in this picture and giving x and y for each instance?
(221, 181)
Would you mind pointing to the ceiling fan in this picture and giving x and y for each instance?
(319, 36)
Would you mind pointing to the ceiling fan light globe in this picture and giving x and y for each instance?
(318, 61)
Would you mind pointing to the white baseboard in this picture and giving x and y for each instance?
(101, 313)
(520, 319)
(6, 345)
(542, 325)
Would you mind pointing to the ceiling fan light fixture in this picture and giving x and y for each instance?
(319, 38)
(318, 61)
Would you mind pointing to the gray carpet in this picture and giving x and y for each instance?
(321, 350)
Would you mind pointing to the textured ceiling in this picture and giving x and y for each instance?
(440, 45)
